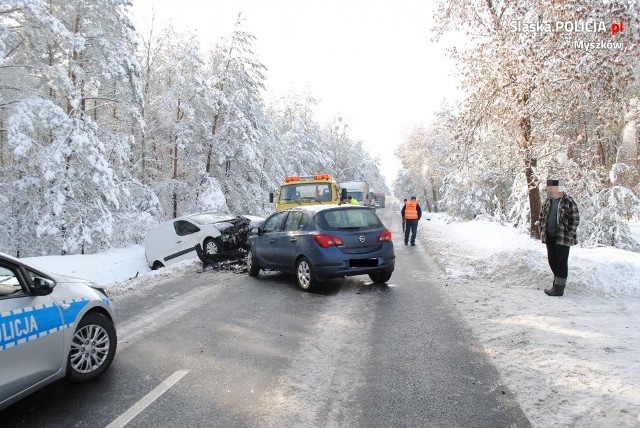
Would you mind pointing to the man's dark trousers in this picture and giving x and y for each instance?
(558, 256)
(411, 226)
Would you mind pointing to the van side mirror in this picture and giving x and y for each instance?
(271, 197)
(343, 194)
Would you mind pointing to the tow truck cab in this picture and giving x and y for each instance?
(312, 190)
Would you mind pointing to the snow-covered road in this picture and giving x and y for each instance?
(571, 361)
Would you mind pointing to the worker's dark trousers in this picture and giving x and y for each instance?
(558, 256)
(411, 227)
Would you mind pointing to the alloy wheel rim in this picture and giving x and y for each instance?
(212, 248)
(89, 348)
(304, 274)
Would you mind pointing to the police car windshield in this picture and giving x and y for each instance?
(348, 218)
(208, 218)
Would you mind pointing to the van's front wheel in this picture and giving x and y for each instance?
(211, 246)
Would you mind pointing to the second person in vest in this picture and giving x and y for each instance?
(411, 212)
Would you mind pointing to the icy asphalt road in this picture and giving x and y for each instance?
(225, 350)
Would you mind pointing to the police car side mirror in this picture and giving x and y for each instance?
(43, 286)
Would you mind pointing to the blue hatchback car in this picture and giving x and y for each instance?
(321, 242)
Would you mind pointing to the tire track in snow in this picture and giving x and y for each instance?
(327, 371)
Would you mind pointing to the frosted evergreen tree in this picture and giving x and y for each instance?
(59, 155)
(303, 148)
(237, 138)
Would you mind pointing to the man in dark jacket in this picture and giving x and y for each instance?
(559, 220)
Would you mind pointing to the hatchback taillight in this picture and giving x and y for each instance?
(385, 236)
(327, 240)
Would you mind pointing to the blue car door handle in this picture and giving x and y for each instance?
(293, 240)
(272, 241)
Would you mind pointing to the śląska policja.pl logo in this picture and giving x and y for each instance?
(588, 27)
(567, 27)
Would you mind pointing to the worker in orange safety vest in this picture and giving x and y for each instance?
(411, 212)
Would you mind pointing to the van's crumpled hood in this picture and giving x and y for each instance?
(234, 232)
(255, 220)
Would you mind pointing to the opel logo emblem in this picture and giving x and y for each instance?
(361, 238)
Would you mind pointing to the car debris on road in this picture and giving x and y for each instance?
(231, 260)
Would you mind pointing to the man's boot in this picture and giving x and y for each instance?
(552, 289)
(558, 287)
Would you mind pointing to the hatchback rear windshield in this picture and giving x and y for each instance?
(348, 218)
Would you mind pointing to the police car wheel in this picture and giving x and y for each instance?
(211, 246)
(92, 348)
(305, 276)
(253, 268)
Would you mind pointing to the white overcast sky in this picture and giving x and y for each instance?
(370, 62)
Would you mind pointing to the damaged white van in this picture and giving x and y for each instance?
(176, 240)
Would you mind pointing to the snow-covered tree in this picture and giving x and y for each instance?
(426, 153)
(234, 143)
(540, 86)
(99, 142)
(59, 153)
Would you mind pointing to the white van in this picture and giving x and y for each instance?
(176, 240)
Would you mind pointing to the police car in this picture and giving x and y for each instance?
(51, 326)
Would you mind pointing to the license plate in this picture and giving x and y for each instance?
(363, 263)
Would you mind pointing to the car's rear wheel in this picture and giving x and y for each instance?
(92, 348)
(305, 276)
(211, 246)
(380, 276)
(253, 268)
